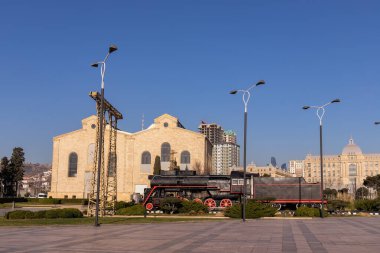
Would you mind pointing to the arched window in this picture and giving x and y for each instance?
(145, 158)
(165, 152)
(352, 170)
(112, 162)
(185, 157)
(73, 164)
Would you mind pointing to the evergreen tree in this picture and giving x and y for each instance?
(16, 167)
(6, 177)
(157, 166)
(361, 193)
(373, 182)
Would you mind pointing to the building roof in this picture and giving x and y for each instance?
(351, 148)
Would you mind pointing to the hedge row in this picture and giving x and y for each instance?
(131, 210)
(58, 201)
(175, 205)
(368, 205)
(337, 205)
(44, 214)
(253, 210)
(122, 204)
(10, 200)
(305, 211)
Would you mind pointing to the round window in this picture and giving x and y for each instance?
(166, 124)
(93, 126)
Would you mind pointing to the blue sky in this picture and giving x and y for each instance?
(182, 58)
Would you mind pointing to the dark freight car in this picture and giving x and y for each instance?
(286, 191)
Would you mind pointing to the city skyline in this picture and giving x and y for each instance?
(183, 59)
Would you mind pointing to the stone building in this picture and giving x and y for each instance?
(347, 170)
(268, 170)
(296, 168)
(73, 155)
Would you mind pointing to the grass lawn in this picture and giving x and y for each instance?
(91, 221)
(6, 205)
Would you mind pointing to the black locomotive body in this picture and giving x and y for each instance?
(224, 190)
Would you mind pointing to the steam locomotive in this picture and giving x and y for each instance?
(220, 191)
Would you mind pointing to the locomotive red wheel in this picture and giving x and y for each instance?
(149, 206)
(225, 203)
(210, 203)
(198, 200)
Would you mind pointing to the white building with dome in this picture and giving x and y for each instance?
(347, 170)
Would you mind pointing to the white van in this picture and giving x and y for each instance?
(42, 195)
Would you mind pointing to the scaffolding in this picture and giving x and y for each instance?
(108, 179)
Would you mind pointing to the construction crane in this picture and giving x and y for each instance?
(108, 177)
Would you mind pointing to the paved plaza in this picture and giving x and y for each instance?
(285, 235)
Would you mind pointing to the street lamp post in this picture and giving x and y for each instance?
(246, 96)
(320, 113)
(102, 64)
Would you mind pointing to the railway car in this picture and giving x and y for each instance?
(290, 192)
(220, 191)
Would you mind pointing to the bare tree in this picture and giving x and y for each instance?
(198, 167)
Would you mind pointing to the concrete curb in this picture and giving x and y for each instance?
(170, 217)
(286, 218)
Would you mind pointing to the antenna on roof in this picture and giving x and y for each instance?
(142, 122)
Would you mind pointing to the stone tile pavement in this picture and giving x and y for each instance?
(312, 235)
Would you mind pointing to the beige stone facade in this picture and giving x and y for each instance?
(136, 153)
(347, 170)
(267, 170)
(264, 170)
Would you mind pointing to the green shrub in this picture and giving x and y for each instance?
(29, 215)
(337, 205)
(305, 211)
(48, 214)
(123, 204)
(18, 214)
(10, 200)
(55, 201)
(32, 200)
(50, 201)
(367, 205)
(51, 214)
(69, 213)
(131, 210)
(253, 210)
(192, 207)
(170, 205)
(74, 201)
(40, 214)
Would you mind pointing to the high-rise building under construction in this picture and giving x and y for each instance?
(212, 131)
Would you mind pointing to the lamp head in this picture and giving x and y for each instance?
(112, 48)
(233, 92)
(306, 107)
(261, 82)
(95, 65)
(335, 101)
